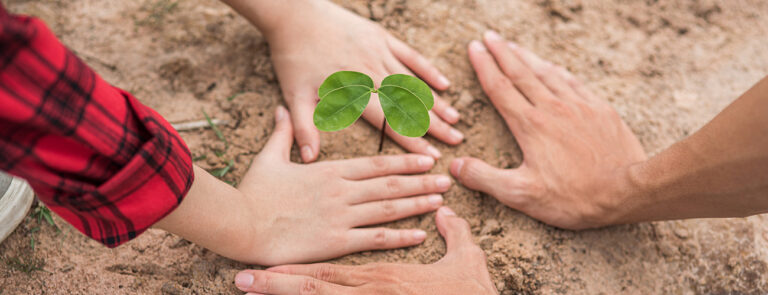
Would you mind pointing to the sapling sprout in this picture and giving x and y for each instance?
(405, 100)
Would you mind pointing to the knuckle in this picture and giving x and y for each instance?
(394, 185)
(536, 119)
(388, 209)
(325, 273)
(498, 86)
(380, 238)
(412, 162)
(308, 287)
(380, 164)
(560, 107)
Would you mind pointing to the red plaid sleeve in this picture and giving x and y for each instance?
(104, 162)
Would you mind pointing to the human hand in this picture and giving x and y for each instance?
(463, 270)
(576, 149)
(323, 38)
(304, 213)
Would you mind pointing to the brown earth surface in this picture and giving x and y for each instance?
(666, 66)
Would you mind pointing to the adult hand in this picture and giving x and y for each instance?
(304, 213)
(576, 149)
(322, 38)
(462, 271)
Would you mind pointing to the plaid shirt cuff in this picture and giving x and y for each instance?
(94, 154)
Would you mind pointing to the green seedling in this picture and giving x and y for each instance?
(220, 172)
(25, 264)
(405, 100)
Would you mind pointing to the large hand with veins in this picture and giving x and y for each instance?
(322, 38)
(463, 270)
(574, 144)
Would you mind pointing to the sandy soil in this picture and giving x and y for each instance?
(667, 67)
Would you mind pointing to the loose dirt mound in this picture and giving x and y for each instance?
(667, 66)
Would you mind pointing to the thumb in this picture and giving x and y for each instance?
(455, 230)
(478, 175)
(279, 144)
(307, 135)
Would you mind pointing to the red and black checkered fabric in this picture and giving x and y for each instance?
(104, 162)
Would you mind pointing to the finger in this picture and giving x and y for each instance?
(366, 239)
(444, 132)
(416, 62)
(390, 210)
(266, 282)
(279, 144)
(548, 73)
(307, 135)
(445, 110)
(392, 187)
(455, 230)
(332, 273)
(364, 168)
(375, 116)
(521, 76)
(510, 103)
(478, 175)
(441, 108)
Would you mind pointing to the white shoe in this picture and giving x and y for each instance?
(15, 199)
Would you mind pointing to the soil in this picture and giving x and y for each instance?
(667, 66)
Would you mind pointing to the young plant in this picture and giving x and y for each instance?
(405, 100)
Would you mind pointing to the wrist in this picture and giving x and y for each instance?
(634, 196)
(625, 194)
(270, 16)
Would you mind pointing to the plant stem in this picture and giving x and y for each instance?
(381, 139)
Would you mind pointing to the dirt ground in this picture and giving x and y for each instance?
(666, 66)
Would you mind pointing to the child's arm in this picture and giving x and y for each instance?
(311, 39)
(284, 212)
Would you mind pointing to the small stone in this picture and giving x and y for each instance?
(681, 232)
(486, 242)
(491, 227)
(170, 288)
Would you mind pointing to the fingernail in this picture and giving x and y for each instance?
(512, 45)
(444, 81)
(477, 46)
(492, 36)
(456, 134)
(432, 151)
(426, 162)
(279, 113)
(243, 280)
(306, 153)
(452, 114)
(419, 235)
(447, 211)
(435, 200)
(459, 164)
(443, 182)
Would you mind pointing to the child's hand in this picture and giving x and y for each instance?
(303, 213)
(462, 271)
(321, 38)
(576, 149)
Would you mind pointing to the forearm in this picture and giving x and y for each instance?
(720, 171)
(212, 215)
(269, 15)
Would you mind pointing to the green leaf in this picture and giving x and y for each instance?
(406, 102)
(343, 98)
(216, 130)
(219, 173)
